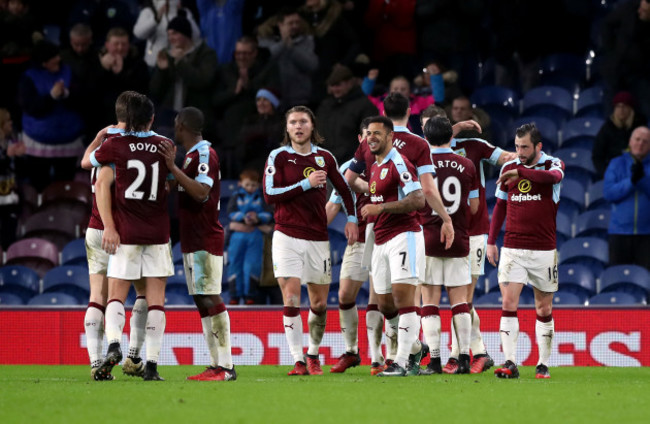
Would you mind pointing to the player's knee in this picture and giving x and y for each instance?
(544, 310)
(319, 305)
(346, 296)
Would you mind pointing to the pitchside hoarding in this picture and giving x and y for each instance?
(583, 337)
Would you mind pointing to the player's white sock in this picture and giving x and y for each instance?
(375, 327)
(390, 328)
(137, 324)
(509, 331)
(544, 332)
(316, 322)
(221, 330)
(349, 319)
(293, 331)
(155, 330)
(463, 326)
(206, 323)
(454, 341)
(408, 332)
(431, 328)
(115, 319)
(476, 340)
(94, 325)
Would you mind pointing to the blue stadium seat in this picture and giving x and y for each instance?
(175, 287)
(177, 256)
(363, 296)
(564, 228)
(178, 299)
(481, 286)
(563, 65)
(612, 298)
(581, 132)
(555, 103)
(228, 187)
(492, 298)
(336, 273)
(68, 279)
(547, 128)
(492, 280)
(578, 279)
(304, 295)
(333, 295)
(74, 253)
(54, 299)
(563, 297)
(595, 198)
(338, 243)
(632, 279)
(590, 103)
(527, 296)
(338, 223)
(590, 251)
(490, 192)
(593, 224)
(179, 270)
(20, 281)
(577, 165)
(8, 299)
(491, 98)
(572, 198)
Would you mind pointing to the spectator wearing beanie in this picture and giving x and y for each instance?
(613, 137)
(261, 132)
(184, 76)
(52, 129)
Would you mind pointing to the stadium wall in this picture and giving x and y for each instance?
(583, 337)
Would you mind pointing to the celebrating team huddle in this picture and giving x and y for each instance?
(417, 220)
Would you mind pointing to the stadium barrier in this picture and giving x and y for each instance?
(583, 337)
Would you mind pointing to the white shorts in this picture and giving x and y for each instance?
(477, 249)
(97, 257)
(351, 268)
(448, 272)
(134, 261)
(305, 259)
(399, 260)
(203, 272)
(537, 267)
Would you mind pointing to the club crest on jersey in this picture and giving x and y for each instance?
(461, 152)
(187, 162)
(524, 186)
(203, 168)
(320, 161)
(383, 173)
(405, 177)
(307, 172)
(373, 187)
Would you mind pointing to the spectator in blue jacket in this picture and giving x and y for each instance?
(248, 217)
(627, 188)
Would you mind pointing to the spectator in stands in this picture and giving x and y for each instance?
(184, 76)
(627, 187)
(152, 26)
(234, 98)
(249, 217)
(122, 69)
(52, 128)
(221, 25)
(426, 83)
(10, 147)
(462, 110)
(102, 16)
(614, 136)
(293, 48)
(341, 113)
(82, 58)
(261, 132)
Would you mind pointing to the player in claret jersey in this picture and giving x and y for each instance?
(398, 254)
(199, 185)
(458, 185)
(528, 192)
(138, 237)
(295, 182)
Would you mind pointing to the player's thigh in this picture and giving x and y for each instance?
(512, 267)
(203, 273)
(97, 257)
(542, 270)
(477, 249)
(126, 263)
(157, 260)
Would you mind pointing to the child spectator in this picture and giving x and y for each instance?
(248, 215)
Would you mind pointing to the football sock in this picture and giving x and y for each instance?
(155, 330)
(408, 332)
(293, 331)
(137, 324)
(94, 325)
(476, 341)
(454, 341)
(349, 319)
(509, 332)
(316, 323)
(463, 326)
(115, 319)
(374, 326)
(206, 323)
(221, 331)
(544, 332)
(390, 328)
(431, 328)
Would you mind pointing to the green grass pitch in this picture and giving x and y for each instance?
(265, 394)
